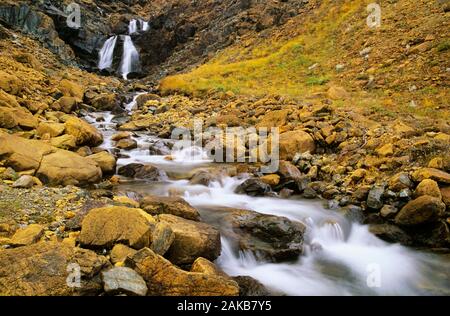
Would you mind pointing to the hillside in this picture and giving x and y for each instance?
(400, 66)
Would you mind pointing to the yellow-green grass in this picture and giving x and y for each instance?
(282, 68)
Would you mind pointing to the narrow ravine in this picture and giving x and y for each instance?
(341, 256)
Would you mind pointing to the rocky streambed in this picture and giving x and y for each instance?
(287, 245)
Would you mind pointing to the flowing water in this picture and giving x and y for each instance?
(341, 257)
(130, 58)
(106, 54)
(133, 27)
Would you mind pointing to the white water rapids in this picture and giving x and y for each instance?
(347, 260)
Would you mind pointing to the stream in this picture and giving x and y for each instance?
(350, 260)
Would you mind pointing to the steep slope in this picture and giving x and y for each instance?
(402, 65)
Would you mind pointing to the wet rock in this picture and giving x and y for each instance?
(269, 237)
(205, 177)
(140, 171)
(122, 280)
(42, 270)
(271, 179)
(424, 209)
(192, 240)
(177, 206)
(24, 182)
(127, 144)
(120, 252)
(390, 233)
(374, 199)
(428, 187)
(105, 161)
(105, 102)
(253, 187)
(121, 135)
(84, 133)
(353, 213)
(288, 171)
(104, 227)
(28, 235)
(165, 279)
(160, 148)
(309, 193)
(249, 286)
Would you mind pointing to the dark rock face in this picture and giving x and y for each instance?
(139, 171)
(183, 33)
(30, 20)
(180, 34)
(269, 237)
(253, 187)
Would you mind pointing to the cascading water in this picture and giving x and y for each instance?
(106, 54)
(132, 27)
(130, 58)
(340, 256)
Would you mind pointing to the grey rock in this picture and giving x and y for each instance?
(374, 199)
(122, 280)
(24, 182)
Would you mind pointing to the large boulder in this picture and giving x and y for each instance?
(165, 279)
(83, 132)
(295, 142)
(22, 154)
(271, 237)
(63, 167)
(12, 117)
(253, 187)
(105, 161)
(192, 240)
(177, 206)
(424, 209)
(140, 171)
(431, 173)
(105, 102)
(104, 227)
(44, 269)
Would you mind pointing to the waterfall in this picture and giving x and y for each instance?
(144, 25)
(130, 58)
(107, 53)
(132, 27)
